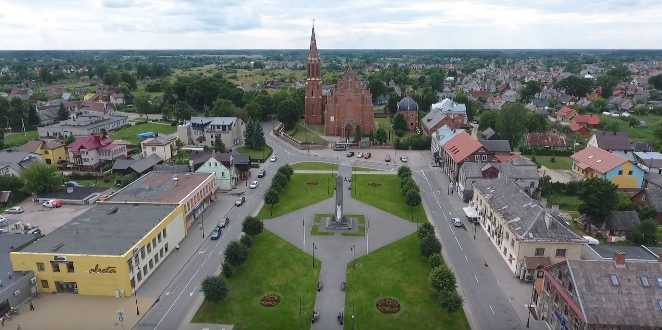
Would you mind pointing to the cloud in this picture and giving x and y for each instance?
(118, 3)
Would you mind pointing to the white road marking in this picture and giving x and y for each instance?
(491, 309)
(192, 292)
(201, 252)
(458, 242)
(476, 277)
(465, 258)
(174, 302)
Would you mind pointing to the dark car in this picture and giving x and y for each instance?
(388, 158)
(261, 174)
(350, 154)
(240, 201)
(216, 233)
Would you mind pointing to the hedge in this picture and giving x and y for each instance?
(545, 152)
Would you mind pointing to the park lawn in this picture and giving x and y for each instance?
(299, 133)
(298, 194)
(562, 162)
(256, 154)
(407, 282)
(319, 128)
(565, 203)
(253, 76)
(315, 230)
(273, 267)
(130, 132)
(365, 169)
(386, 197)
(141, 91)
(314, 166)
(19, 139)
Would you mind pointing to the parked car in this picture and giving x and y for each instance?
(3, 219)
(457, 222)
(359, 155)
(53, 203)
(350, 154)
(223, 222)
(261, 174)
(591, 240)
(404, 159)
(253, 185)
(216, 233)
(349, 187)
(367, 156)
(273, 158)
(73, 184)
(388, 158)
(14, 210)
(340, 147)
(240, 201)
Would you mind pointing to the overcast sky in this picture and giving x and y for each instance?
(348, 24)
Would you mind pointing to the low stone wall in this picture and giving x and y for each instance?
(298, 144)
(382, 146)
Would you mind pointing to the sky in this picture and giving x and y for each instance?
(339, 24)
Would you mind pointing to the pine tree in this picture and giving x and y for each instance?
(250, 132)
(219, 146)
(259, 141)
(62, 113)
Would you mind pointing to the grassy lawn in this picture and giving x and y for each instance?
(298, 194)
(246, 76)
(385, 123)
(141, 91)
(407, 282)
(255, 153)
(299, 133)
(289, 274)
(365, 169)
(637, 133)
(318, 217)
(360, 233)
(319, 128)
(100, 183)
(562, 162)
(129, 133)
(16, 140)
(314, 166)
(316, 231)
(565, 203)
(386, 197)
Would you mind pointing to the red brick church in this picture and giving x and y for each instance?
(347, 107)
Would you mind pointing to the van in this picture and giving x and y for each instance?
(340, 147)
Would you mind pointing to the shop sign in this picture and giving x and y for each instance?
(97, 270)
(60, 258)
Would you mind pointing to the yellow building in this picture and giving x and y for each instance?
(50, 152)
(109, 250)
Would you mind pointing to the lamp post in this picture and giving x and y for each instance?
(202, 223)
(475, 231)
(314, 248)
(354, 257)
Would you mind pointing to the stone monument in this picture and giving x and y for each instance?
(339, 220)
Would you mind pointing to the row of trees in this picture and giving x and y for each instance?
(278, 183)
(409, 189)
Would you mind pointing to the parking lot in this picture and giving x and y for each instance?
(46, 219)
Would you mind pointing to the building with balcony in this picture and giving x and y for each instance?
(95, 150)
(84, 125)
(203, 131)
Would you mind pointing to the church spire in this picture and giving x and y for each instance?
(313, 43)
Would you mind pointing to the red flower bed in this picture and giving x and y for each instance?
(270, 300)
(374, 184)
(388, 305)
(312, 183)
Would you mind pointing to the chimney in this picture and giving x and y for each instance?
(548, 221)
(660, 258)
(555, 210)
(543, 202)
(619, 258)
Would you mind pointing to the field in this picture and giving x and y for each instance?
(562, 162)
(251, 77)
(386, 197)
(302, 190)
(274, 267)
(565, 203)
(385, 123)
(141, 91)
(299, 133)
(314, 166)
(407, 282)
(637, 133)
(19, 139)
(129, 133)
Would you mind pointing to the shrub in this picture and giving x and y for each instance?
(404, 171)
(450, 301)
(425, 229)
(429, 245)
(236, 253)
(442, 279)
(252, 226)
(399, 132)
(435, 260)
(214, 288)
(246, 240)
(227, 270)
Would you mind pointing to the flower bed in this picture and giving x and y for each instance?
(312, 183)
(388, 305)
(270, 300)
(374, 184)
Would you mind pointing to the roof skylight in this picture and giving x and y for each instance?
(614, 280)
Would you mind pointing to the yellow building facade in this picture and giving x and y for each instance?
(52, 154)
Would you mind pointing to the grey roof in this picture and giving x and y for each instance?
(496, 145)
(524, 215)
(613, 141)
(161, 140)
(95, 232)
(439, 111)
(145, 163)
(78, 193)
(206, 121)
(123, 164)
(633, 253)
(488, 133)
(171, 168)
(654, 179)
(521, 162)
(18, 160)
(407, 104)
(629, 304)
(506, 171)
(643, 146)
(160, 187)
(650, 159)
(654, 197)
(10, 242)
(89, 121)
(621, 220)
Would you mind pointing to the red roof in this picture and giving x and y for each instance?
(565, 112)
(599, 160)
(587, 119)
(91, 142)
(461, 146)
(506, 158)
(478, 94)
(576, 127)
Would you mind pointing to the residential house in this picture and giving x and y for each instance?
(510, 96)
(162, 145)
(408, 108)
(243, 164)
(84, 125)
(95, 150)
(541, 103)
(615, 225)
(641, 96)
(584, 103)
(565, 115)
(593, 162)
(202, 131)
(580, 130)
(650, 197)
(460, 149)
(117, 98)
(545, 140)
(524, 176)
(652, 180)
(601, 294)
(527, 235)
(477, 94)
(50, 152)
(14, 162)
(215, 162)
(497, 147)
(439, 138)
(490, 134)
(649, 161)
(611, 141)
(643, 146)
(140, 166)
(566, 99)
(447, 108)
(588, 121)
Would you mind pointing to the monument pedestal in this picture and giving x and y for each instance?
(332, 223)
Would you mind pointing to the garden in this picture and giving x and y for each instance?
(290, 192)
(129, 133)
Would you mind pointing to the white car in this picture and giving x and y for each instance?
(273, 158)
(404, 159)
(591, 240)
(14, 210)
(457, 222)
(359, 155)
(253, 185)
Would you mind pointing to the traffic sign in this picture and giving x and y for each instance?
(121, 318)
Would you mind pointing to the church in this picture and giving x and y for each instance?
(347, 110)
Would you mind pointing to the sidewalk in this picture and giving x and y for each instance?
(517, 293)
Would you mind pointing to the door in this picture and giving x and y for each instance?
(117, 293)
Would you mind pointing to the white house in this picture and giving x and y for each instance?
(510, 96)
(13, 162)
(95, 150)
(162, 145)
(202, 131)
(219, 163)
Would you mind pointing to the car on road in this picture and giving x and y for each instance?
(253, 185)
(367, 156)
(457, 222)
(591, 240)
(340, 147)
(404, 159)
(223, 222)
(388, 158)
(216, 233)
(273, 158)
(359, 155)
(240, 201)
(3, 219)
(53, 203)
(350, 154)
(14, 210)
(261, 174)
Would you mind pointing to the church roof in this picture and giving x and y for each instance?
(407, 104)
(313, 45)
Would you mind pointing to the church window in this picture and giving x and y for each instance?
(312, 93)
(313, 110)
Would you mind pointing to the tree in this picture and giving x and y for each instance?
(409, 185)
(599, 198)
(531, 88)
(404, 172)
(575, 86)
(214, 289)
(236, 253)
(645, 233)
(392, 105)
(377, 88)
(535, 123)
(181, 111)
(425, 229)
(250, 131)
(62, 112)
(246, 240)
(40, 178)
(2, 140)
(271, 197)
(288, 114)
(607, 84)
(656, 81)
(358, 135)
(646, 212)
(143, 105)
(380, 136)
(472, 108)
(219, 146)
(226, 269)
(429, 245)
(442, 279)
(488, 119)
(400, 122)
(252, 226)
(413, 198)
(510, 125)
(599, 103)
(451, 301)
(407, 180)
(436, 260)
(254, 110)
(222, 108)
(258, 138)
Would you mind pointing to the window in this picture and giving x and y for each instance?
(477, 157)
(137, 259)
(165, 233)
(484, 158)
(151, 264)
(313, 109)
(659, 303)
(560, 253)
(145, 269)
(149, 248)
(540, 252)
(159, 237)
(659, 281)
(56, 267)
(166, 247)
(629, 172)
(620, 172)
(570, 287)
(154, 242)
(139, 276)
(161, 253)
(130, 264)
(215, 164)
(156, 258)
(507, 236)
(40, 267)
(644, 281)
(512, 243)
(222, 174)
(556, 298)
(70, 267)
(532, 184)
(142, 252)
(614, 280)
(153, 148)
(510, 258)
(44, 284)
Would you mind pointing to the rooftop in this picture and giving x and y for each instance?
(461, 146)
(96, 232)
(545, 139)
(9, 242)
(496, 145)
(160, 187)
(633, 253)
(597, 159)
(77, 193)
(613, 141)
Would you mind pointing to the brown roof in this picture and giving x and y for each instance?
(544, 139)
(30, 146)
(461, 146)
(598, 159)
(52, 145)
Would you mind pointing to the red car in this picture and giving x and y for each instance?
(367, 156)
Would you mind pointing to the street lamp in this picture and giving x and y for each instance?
(354, 252)
(137, 309)
(314, 248)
